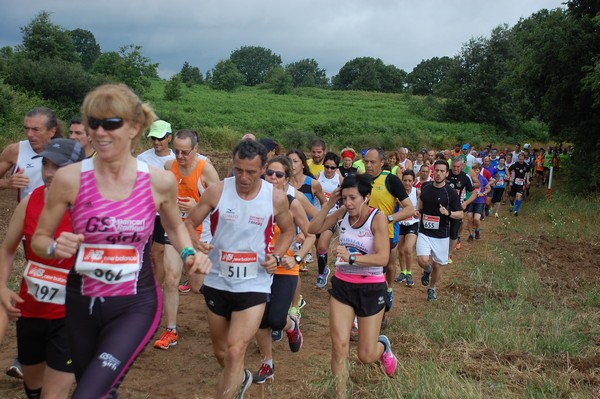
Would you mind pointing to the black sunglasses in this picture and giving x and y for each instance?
(107, 124)
(330, 167)
(159, 139)
(277, 173)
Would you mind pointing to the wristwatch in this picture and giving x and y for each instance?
(298, 259)
(351, 259)
(390, 218)
(277, 259)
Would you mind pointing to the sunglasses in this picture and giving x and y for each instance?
(330, 167)
(184, 153)
(159, 139)
(107, 124)
(277, 173)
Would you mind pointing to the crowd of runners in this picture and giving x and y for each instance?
(112, 240)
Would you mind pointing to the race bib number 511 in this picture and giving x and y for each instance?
(239, 265)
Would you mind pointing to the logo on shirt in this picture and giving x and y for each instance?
(256, 220)
(230, 215)
(29, 165)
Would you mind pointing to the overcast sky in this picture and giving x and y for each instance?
(400, 32)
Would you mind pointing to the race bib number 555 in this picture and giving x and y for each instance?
(431, 222)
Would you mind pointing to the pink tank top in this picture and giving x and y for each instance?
(114, 259)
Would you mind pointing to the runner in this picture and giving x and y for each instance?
(242, 211)
(462, 183)
(276, 318)
(424, 175)
(475, 207)
(437, 204)
(317, 152)
(329, 180)
(418, 163)
(358, 287)
(348, 155)
(40, 306)
(501, 177)
(78, 133)
(393, 160)
(113, 300)
(519, 179)
(404, 162)
(193, 175)
(409, 229)
(303, 180)
(387, 192)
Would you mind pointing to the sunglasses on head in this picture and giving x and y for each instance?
(330, 167)
(277, 173)
(107, 124)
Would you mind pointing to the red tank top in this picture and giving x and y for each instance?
(43, 282)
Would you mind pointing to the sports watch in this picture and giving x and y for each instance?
(298, 259)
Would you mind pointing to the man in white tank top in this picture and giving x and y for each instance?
(40, 125)
(242, 209)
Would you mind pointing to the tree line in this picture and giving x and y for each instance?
(543, 73)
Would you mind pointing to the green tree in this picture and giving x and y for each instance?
(190, 75)
(43, 39)
(129, 66)
(557, 75)
(173, 88)
(86, 46)
(254, 63)
(279, 80)
(226, 76)
(58, 80)
(477, 91)
(306, 73)
(370, 74)
(428, 76)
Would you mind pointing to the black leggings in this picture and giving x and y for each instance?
(282, 293)
(106, 336)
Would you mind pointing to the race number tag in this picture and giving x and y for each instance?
(238, 265)
(431, 222)
(108, 270)
(519, 181)
(46, 283)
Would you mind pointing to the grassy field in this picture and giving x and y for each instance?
(342, 118)
(521, 320)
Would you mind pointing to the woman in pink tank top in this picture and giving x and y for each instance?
(113, 301)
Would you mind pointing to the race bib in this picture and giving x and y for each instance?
(238, 265)
(46, 283)
(108, 270)
(431, 222)
(519, 181)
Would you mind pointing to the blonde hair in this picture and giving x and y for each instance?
(117, 100)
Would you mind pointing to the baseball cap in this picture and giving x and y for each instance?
(159, 129)
(269, 143)
(526, 146)
(465, 147)
(62, 152)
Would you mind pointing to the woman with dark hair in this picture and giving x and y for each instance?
(358, 286)
(285, 279)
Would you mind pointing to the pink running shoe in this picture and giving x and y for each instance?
(388, 360)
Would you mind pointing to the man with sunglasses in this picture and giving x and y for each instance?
(194, 175)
